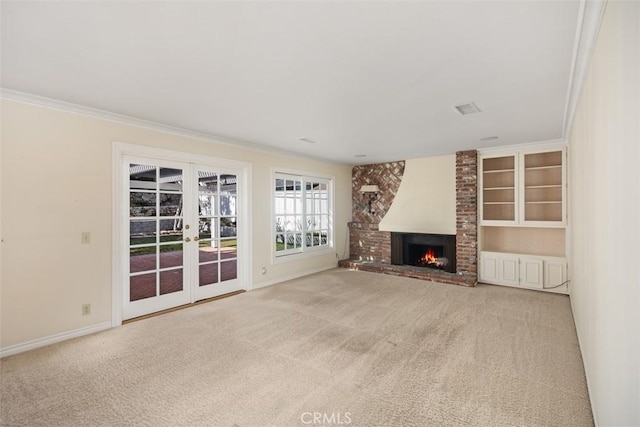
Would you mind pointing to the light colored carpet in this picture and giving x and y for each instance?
(359, 348)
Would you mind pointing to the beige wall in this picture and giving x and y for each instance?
(604, 163)
(57, 177)
(426, 199)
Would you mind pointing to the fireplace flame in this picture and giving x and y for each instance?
(430, 259)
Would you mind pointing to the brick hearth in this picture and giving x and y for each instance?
(370, 248)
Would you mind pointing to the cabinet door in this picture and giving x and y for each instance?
(555, 274)
(531, 273)
(543, 188)
(498, 195)
(488, 268)
(508, 269)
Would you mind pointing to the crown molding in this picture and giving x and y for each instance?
(589, 20)
(55, 104)
(540, 145)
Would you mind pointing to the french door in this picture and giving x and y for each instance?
(181, 231)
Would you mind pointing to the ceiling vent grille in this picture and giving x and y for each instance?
(467, 108)
(307, 140)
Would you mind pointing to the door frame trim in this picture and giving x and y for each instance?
(121, 149)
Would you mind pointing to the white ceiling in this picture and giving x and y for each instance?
(374, 78)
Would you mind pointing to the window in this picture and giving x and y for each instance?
(302, 214)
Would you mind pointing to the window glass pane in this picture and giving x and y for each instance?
(279, 205)
(289, 205)
(279, 242)
(279, 184)
(324, 222)
(207, 182)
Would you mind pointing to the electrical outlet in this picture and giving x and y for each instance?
(86, 309)
(86, 238)
(263, 270)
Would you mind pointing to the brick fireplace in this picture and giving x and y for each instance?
(370, 248)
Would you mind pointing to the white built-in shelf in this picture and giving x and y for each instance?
(499, 170)
(541, 186)
(544, 202)
(538, 168)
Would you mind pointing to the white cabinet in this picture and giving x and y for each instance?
(525, 271)
(524, 188)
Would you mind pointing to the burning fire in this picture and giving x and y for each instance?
(430, 259)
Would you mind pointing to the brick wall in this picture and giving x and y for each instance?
(467, 212)
(366, 242)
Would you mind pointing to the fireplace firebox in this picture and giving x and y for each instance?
(424, 250)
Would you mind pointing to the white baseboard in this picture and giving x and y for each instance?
(52, 339)
(292, 276)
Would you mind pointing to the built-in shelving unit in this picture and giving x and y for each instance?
(499, 192)
(523, 218)
(543, 186)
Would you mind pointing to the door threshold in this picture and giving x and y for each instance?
(180, 307)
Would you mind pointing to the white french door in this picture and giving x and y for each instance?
(181, 234)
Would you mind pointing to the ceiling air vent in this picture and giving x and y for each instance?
(308, 140)
(467, 108)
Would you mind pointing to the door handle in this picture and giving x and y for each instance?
(187, 239)
(195, 239)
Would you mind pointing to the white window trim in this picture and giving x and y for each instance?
(305, 252)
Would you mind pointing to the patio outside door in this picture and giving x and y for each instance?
(182, 231)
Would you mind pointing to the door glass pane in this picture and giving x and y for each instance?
(142, 177)
(205, 227)
(228, 248)
(170, 230)
(171, 255)
(170, 281)
(142, 204)
(142, 286)
(170, 204)
(142, 259)
(208, 251)
(208, 274)
(228, 227)
(142, 231)
(228, 270)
